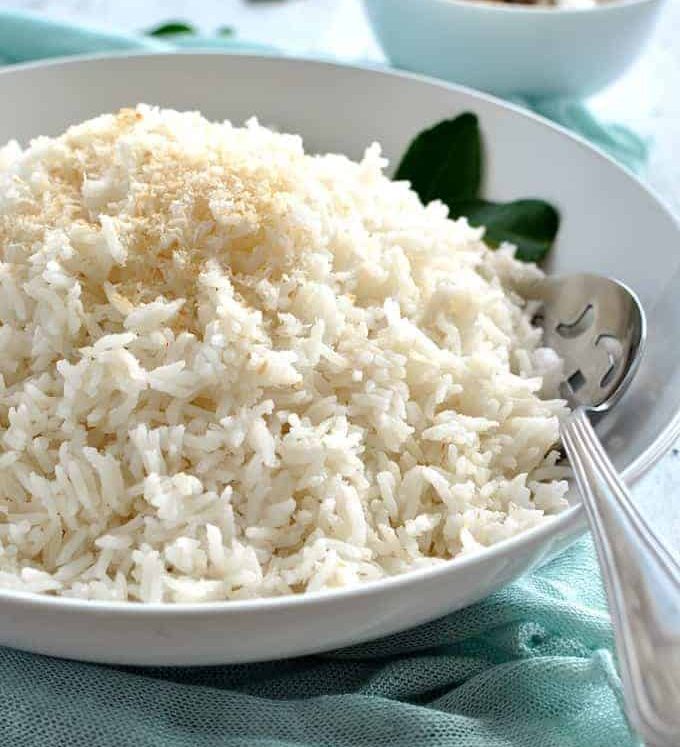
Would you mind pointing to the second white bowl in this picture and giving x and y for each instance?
(514, 49)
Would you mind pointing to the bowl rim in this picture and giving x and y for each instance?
(571, 520)
(500, 7)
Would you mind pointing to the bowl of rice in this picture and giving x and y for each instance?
(260, 399)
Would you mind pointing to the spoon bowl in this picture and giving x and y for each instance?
(598, 328)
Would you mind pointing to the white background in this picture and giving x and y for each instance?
(646, 98)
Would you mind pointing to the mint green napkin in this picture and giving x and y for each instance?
(27, 36)
(531, 666)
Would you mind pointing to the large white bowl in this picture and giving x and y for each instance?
(514, 49)
(611, 224)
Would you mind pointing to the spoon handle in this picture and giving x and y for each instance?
(642, 581)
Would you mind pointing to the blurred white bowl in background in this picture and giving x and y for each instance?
(510, 49)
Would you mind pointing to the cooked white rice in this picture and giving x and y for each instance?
(234, 370)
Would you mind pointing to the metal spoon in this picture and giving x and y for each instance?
(597, 326)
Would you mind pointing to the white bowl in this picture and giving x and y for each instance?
(611, 224)
(514, 49)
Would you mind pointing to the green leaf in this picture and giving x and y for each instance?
(531, 225)
(225, 31)
(172, 28)
(445, 162)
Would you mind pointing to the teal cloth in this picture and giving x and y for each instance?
(531, 666)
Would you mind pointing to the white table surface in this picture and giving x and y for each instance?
(646, 98)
